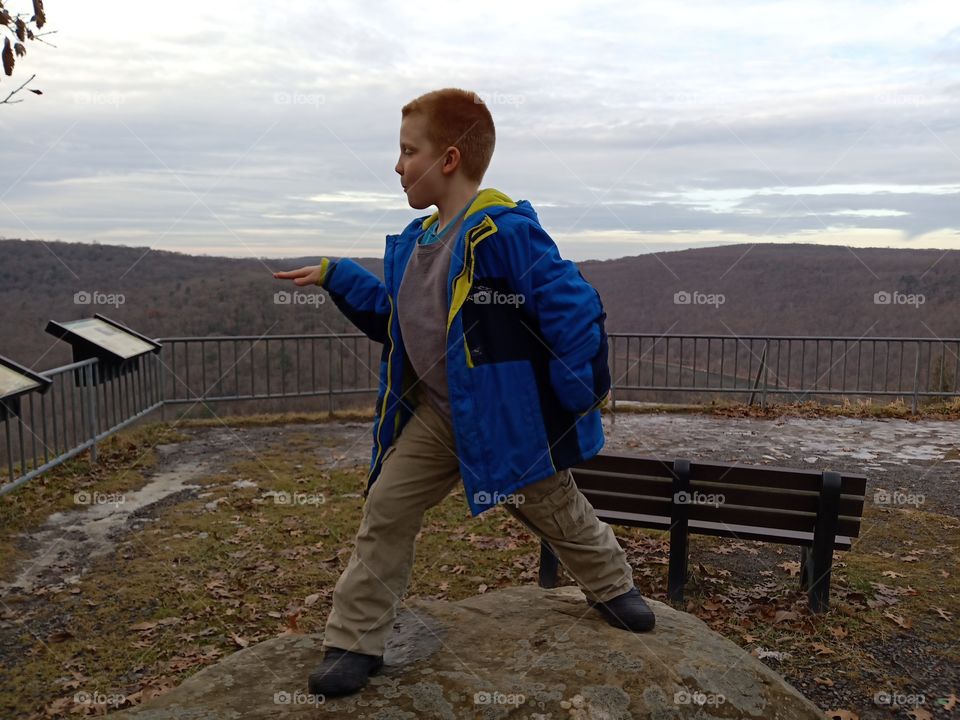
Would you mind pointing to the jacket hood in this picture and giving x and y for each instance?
(491, 202)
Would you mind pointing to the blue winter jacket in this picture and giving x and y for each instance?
(526, 348)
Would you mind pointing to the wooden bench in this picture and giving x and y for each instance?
(820, 512)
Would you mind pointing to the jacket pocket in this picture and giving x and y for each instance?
(511, 421)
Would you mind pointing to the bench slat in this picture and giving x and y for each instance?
(724, 514)
(756, 475)
(776, 498)
(783, 537)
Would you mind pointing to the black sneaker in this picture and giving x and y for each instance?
(343, 672)
(627, 611)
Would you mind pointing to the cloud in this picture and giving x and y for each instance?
(237, 128)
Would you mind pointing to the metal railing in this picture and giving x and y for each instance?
(796, 367)
(258, 367)
(80, 410)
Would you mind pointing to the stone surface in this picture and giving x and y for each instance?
(521, 652)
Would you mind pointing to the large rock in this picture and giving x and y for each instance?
(521, 652)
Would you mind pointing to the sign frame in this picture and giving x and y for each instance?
(10, 403)
(112, 363)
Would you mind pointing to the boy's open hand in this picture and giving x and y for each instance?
(308, 275)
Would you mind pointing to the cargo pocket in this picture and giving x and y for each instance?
(388, 453)
(571, 512)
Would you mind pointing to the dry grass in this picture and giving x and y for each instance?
(215, 573)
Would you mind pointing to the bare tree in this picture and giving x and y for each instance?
(17, 30)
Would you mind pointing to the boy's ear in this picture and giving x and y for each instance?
(451, 160)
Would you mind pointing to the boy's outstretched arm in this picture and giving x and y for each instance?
(355, 290)
(570, 317)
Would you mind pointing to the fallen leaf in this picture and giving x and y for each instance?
(792, 567)
(822, 649)
(311, 599)
(783, 615)
(823, 681)
(144, 626)
(892, 574)
(905, 623)
(943, 613)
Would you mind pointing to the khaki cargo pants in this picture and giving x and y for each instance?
(419, 470)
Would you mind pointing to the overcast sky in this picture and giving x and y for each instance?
(235, 128)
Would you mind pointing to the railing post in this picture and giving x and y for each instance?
(161, 378)
(94, 418)
(766, 371)
(760, 371)
(330, 377)
(613, 375)
(916, 378)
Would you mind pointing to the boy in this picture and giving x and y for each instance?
(493, 371)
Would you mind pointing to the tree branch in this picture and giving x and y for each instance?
(7, 101)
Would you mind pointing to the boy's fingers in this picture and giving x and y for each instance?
(286, 274)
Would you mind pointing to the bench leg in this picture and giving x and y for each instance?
(820, 560)
(679, 524)
(548, 566)
(677, 575)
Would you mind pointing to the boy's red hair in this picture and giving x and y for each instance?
(461, 119)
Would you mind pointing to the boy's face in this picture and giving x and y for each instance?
(420, 163)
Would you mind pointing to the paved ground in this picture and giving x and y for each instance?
(917, 458)
(921, 458)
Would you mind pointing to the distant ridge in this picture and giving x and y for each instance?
(795, 289)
